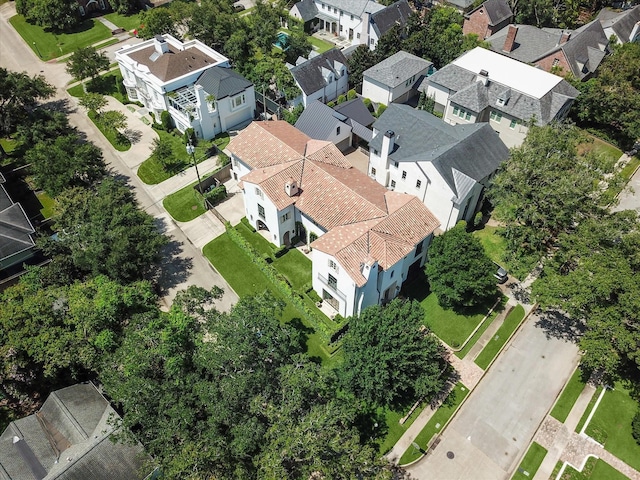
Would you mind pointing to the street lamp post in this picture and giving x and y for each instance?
(191, 151)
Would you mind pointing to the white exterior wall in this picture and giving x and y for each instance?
(271, 215)
(375, 91)
(345, 293)
(309, 226)
(440, 96)
(344, 22)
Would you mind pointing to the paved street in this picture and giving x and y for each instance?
(183, 263)
(494, 427)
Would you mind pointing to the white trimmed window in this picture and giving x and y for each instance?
(333, 265)
(495, 116)
(238, 101)
(259, 193)
(261, 211)
(513, 124)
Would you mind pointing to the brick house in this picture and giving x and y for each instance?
(488, 18)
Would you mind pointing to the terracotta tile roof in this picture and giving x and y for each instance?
(263, 144)
(386, 240)
(174, 63)
(322, 151)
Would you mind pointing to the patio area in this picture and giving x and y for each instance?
(339, 42)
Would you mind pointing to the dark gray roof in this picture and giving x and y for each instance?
(356, 110)
(472, 95)
(585, 49)
(309, 74)
(462, 4)
(223, 82)
(395, 14)
(307, 9)
(355, 7)
(621, 23)
(76, 421)
(15, 227)
(474, 150)
(395, 70)
(496, 10)
(319, 121)
(531, 42)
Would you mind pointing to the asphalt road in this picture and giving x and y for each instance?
(491, 432)
(182, 263)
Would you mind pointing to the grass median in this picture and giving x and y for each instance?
(531, 462)
(492, 348)
(570, 394)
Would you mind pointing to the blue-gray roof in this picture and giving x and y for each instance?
(395, 14)
(307, 9)
(319, 121)
(223, 82)
(472, 149)
(397, 68)
(309, 76)
(356, 110)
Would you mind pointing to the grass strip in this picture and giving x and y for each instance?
(490, 319)
(185, 204)
(587, 411)
(492, 348)
(568, 397)
(594, 469)
(436, 423)
(116, 139)
(530, 463)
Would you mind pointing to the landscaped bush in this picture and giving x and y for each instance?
(165, 119)
(367, 103)
(338, 334)
(281, 251)
(245, 220)
(381, 109)
(341, 99)
(313, 236)
(351, 94)
(313, 295)
(216, 195)
(223, 159)
(635, 426)
(331, 104)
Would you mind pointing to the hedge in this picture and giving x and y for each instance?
(216, 195)
(281, 283)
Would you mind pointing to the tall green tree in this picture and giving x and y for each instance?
(57, 15)
(86, 62)
(211, 22)
(546, 188)
(42, 125)
(593, 277)
(360, 60)
(611, 99)
(103, 231)
(158, 21)
(459, 271)
(19, 94)
(65, 162)
(389, 358)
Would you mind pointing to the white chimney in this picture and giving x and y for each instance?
(483, 77)
(291, 187)
(160, 44)
(388, 142)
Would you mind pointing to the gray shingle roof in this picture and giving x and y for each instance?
(474, 150)
(395, 14)
(309, 74)
(396, 69)
(356, 110)
(319, 121)
(622, 23)
(76, 419)
(585, 49)
(307, 9)
(355, 7)
(15, 227)
(496, 10)
(470, 94)
(463, 4)
(530, 43)
(223, 82)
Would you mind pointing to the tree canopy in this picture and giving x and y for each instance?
(86, 62)
(459, 271)
(389, 357)
(19, 94)
(57, 15)
(544, 188)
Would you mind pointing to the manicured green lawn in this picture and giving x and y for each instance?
(494, 245)
(185, 204)
(469, 345)
(594, 469)
(393, 426)
(247, 279)
(128, 22)
(106, 84)
(222, 140)
(436, 423)
(502, 335)
(451, 327)
(320, 46)
(600, 147)
(611, 425)
(8, 144)
(587, 411)
(117, 139)
(530, 463)
(295, 267)
(570, 394)
(52, 45)
(152, 172)
(47, 204)
(257, 241)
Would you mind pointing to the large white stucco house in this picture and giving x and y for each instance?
(446, 166)
(361, 22)
(366, 240)
(485, 86)
(191, 81)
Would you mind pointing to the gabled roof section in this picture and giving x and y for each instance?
(496, 10)
(622, 23)
(585, 49)
(396, 69)
(69, 439)
(473, 150)
(15, 228)
(268, 143)
(386, 240)
(530, 43)
(356, 110)
(395, 14)
(223, 82)
(307, 9)
(319, 121)
(310, 76)
(355, 7)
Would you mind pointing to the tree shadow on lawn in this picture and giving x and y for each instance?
(174, 269)
(557, 324)
(304, 334)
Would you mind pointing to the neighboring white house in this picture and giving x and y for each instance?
(446, 166)
(366, 240)
(485, 86)
(361, 22)
(395, 79)
(322, 77)
(191, 81)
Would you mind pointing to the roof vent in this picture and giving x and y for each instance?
(291, 187)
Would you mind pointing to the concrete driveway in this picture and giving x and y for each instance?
(493, 429)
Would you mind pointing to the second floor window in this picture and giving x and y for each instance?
(418, 183)
(404, 174)
(238, 101)
(260, 211)
(393, 184)
(332, 282)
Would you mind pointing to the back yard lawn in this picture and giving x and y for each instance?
(48, 45)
